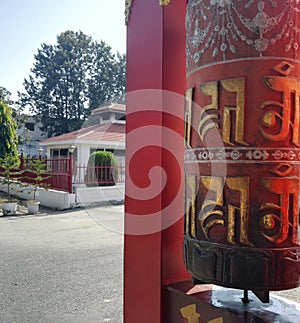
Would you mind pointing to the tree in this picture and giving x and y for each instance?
(8, 132)
(37, 168)
(70, 78)
(107, 76)
(17, 115)
(10, 164)
(5, 96)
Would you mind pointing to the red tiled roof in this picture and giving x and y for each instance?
(106, 132)
(117, 107)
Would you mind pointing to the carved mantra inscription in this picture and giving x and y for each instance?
(264, 200)
(274, 220)
(190, 314)
(281, 115)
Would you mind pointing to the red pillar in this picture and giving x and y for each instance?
(154, 226)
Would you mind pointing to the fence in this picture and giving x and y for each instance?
(63, 175)
(95, 175)
(58, 175)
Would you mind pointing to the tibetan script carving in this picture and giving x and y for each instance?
(213, 210)
(233, 126)
(189, 313)
(188, 116)
(285, 215)
(190, 212)
(288, 114)
(237, 86)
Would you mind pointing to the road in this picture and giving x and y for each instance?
(62, 267)
(65, 267)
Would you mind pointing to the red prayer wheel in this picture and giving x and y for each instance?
(242, 144)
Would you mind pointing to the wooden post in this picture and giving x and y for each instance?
(155, 103)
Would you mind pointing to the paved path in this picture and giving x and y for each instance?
(65, 267)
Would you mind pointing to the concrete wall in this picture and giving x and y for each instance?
(53, 199)
(59, 200)
(92, 195)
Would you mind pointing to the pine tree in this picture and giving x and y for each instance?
(70, 78)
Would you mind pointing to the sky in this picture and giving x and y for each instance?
(26, 24)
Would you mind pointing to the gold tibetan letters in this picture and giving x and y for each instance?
(287, 113)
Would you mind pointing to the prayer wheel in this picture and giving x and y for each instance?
(242, 157)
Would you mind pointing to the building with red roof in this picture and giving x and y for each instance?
(104, 130)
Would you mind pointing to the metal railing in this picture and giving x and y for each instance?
(58, 175)
(98, 175)
(62, 174)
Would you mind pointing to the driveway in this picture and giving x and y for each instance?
(65, 267)
(62, 267)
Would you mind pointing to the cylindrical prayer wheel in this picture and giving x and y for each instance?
(243, 144)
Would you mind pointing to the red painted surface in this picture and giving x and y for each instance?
(155, 60)
(208, 304)
(58, 174)
(246, 222)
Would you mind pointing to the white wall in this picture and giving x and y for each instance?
(85, 196)
(53, 199)
(92, 195)
(57, 199)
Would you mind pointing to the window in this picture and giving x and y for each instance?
(119, 152)
(59, 153)
(29, 126)
(106, 116)
(92, 150)
(120, 116)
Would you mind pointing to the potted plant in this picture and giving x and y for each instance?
(10, 179)
(38, 169)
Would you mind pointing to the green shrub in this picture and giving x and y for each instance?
(102, 169)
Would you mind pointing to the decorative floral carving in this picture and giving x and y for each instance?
(128, 5)
(164, 2)
(249, 155)
(223, 26)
